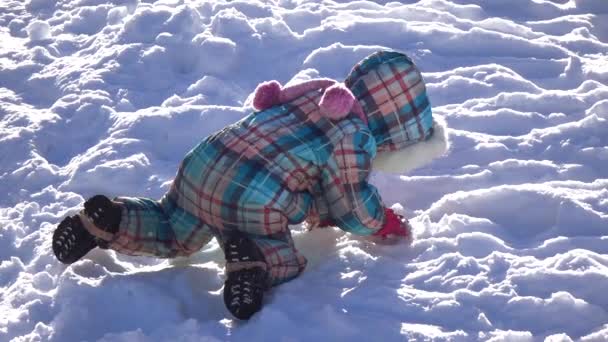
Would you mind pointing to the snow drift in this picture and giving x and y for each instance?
(511, 242)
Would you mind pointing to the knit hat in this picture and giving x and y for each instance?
(336, 102)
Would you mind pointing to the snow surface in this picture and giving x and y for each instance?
(511, 227)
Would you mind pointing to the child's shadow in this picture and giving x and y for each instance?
(106, 295)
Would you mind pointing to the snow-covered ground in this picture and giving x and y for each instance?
(511, 227)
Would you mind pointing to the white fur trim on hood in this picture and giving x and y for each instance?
(416, 155)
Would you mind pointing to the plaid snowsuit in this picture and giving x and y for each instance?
(281, 165)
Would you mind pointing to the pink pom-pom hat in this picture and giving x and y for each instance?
(337, 100)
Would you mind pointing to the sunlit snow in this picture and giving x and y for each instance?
(510, 227)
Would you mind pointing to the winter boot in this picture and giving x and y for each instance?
(247, 277)
(72, 241)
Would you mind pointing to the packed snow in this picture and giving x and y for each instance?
(510, 226)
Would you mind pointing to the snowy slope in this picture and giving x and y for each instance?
(511, 227)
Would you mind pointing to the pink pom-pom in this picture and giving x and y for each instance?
(267, 94)
(336, 102)
(296, 90)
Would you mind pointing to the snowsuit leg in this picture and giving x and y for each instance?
(283, 259)
(158, 228)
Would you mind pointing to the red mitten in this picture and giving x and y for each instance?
(394, 225)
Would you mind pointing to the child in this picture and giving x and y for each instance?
(306, 154)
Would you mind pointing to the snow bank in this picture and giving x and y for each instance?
(510, 227)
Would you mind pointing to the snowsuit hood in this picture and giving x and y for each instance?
(392, 94)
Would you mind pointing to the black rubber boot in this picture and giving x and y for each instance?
(244, 288)
(71, 241)
(104, 213)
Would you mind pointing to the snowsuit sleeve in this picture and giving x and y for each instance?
(354, 204)
(158, 228)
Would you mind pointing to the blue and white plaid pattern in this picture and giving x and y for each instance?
(257, 176)
(392, 93)
(281, 165)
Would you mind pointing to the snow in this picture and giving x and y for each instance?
(510, 227)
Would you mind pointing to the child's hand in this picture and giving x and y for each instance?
(104, 213)
(395, 225)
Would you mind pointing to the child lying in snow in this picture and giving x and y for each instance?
(306, 154)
